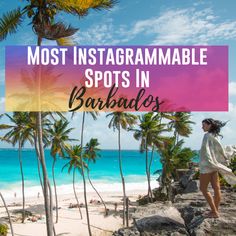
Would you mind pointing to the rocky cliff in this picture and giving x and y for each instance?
(184, 215)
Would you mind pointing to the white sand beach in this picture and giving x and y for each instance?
(70, 223)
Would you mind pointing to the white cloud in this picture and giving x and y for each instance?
(228, 132)
(186, 26)
(181, 26)
(104, 33)
(232, 88)
(2, 104)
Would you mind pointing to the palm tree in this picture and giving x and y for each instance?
(158, 137)
(45, 123)
(20, 132)
(8, 214)
(49, 97)
(91, 153)
(42, 18)
(74, 163)
(122, 120)
(173, 156)
(149, 133)
(5, 205)
(94, 115)
(181, 124)
(58, 136)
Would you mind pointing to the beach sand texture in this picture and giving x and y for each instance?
(70, 223)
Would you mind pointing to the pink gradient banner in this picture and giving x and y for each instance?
(122, 78)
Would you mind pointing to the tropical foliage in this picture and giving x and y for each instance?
(148, 132)
(41, 15)
(3, 227)
(75, 164)
(181, 124)
(58, 135)
(125, 121)
(91, 153)
(30, 127)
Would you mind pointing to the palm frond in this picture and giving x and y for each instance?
(9, 22)
(5, 140)
(94, 114)
(6, 126)
(65, 166)
(81, 7)
(55, 31)
(65, 41)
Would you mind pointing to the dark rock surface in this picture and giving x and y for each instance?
(185, 216)
(185, 179)
(192, 186)
(193, 206)
(159, 218)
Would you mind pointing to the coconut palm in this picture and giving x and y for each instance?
(181, 123)
(91, 153)
(4, 203)
(58, 136)
(19, 132)
(158, 137)
(173, 156)
(94, 115)
(8, 214)
(51, 94)
(148, 132)
(125, 121)
(41, 14)
(33, 124)
(75, 163)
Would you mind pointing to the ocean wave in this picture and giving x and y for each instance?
(14, 191)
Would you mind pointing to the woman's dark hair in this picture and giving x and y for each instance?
(216, 126)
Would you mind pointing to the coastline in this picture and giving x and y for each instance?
(105, 176)
(14, 193)
(70, 223)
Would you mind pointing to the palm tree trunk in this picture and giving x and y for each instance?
(49, 216)
(76, 197)
(147, 172)
(51, 205)
(150, 163)
(38, 162)
(55, 187)
(163, 176)
(97, 193)
(82, 171)
(8, 214)
(149, 168)
(122, 177)
(49, 221)
(22, 183)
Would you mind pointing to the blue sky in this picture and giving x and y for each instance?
(138, 22)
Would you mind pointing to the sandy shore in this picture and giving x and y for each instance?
(70, 223)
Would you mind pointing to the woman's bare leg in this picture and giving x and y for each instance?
(215, 183)
(204, 181)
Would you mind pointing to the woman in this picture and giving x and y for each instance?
(213, 160)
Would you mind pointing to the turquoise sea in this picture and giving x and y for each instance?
(104, 173)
